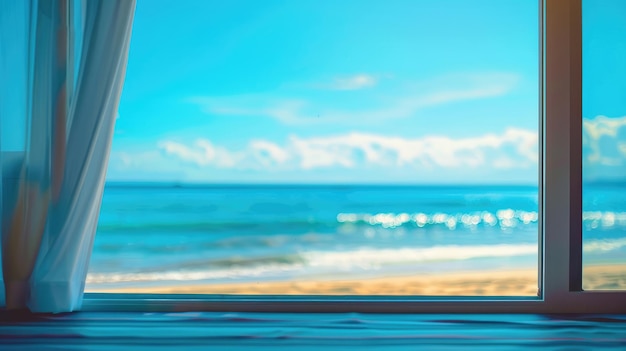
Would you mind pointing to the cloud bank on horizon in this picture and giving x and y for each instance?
(514, 148)
(417, 159)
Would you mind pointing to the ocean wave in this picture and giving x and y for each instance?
(193, 275)
(376, 258)
(603, 245)
(213, 226)
(603, 219)
(333, 261)
(341, 261)
(505, 218)
(234, 262)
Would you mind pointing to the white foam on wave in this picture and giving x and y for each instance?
(350, 260)
(604, 219)
(358, 259)
(235, 272)
(376, 258)
(505, 218)
(603, 245)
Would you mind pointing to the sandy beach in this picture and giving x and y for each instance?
(486, 283)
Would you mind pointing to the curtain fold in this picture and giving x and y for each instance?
(52, 187)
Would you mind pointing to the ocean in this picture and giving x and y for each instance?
(163, 234)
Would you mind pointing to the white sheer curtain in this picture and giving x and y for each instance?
(62, 64)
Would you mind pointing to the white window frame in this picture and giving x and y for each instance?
(560, 225)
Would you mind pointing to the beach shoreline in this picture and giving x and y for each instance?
(519, 282)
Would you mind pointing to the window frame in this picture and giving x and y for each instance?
(560, 207)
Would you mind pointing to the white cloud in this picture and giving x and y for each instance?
(403, 104)
(125, 159)
(622, 148)
(268, 152)
(604, 153)
(604, 141)
(201, 153)
(359, 81)
(603, 126)
(287, 111)
(515, 148)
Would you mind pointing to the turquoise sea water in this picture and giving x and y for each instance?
(151, 234)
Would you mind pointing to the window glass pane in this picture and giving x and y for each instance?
(604, 144)
(325, 147)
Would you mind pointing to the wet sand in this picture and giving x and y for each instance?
(485, 283)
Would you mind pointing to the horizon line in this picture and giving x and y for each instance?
(173, 183)
(343, 184)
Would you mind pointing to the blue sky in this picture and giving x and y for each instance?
(345, 91)
(604, 89)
